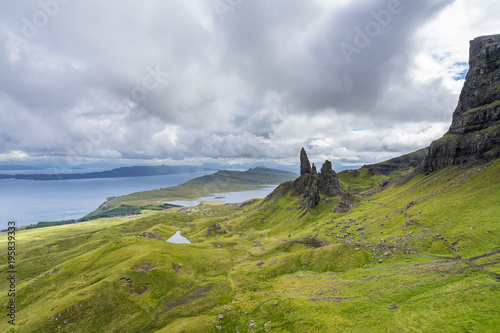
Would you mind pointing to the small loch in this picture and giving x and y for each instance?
(178, 239)
(228, 197)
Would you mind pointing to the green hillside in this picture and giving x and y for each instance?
(419, 253)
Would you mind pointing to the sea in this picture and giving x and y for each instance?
(29, 202)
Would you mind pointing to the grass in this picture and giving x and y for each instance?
(359, 180)
(416, 257)
(482, 107)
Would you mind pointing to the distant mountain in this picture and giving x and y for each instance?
(246, 166)
(265, 164)
(17, 167)
(134, 171)
(255, 176)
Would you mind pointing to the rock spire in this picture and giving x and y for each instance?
(311, 184)
(305, 166)
(328, 182)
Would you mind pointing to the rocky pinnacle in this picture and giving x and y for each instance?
(305, 166)
(328, 182)
(311, 184)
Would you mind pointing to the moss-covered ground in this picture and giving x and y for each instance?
(422, 256)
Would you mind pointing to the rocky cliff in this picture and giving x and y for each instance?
(311, 184)
(474, 134)
(401, 162)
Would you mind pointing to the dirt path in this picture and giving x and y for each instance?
(453, 250)
(485, 255)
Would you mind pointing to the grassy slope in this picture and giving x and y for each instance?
(222, 181)
(386, 266)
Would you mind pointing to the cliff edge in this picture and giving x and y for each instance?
(474, 134)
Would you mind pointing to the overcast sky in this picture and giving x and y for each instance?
(190, 81)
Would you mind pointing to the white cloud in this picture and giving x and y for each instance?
(13, 155)
(261, 83)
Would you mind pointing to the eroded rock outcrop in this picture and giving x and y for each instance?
(346, 202)
(474, 134)
(311, 184)
(307, 186)
(328, 182)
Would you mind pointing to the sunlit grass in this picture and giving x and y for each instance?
(267, 265)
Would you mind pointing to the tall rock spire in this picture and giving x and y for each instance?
(305, 166)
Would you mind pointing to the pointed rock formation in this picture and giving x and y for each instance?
(310, 184)
(305, 166)
(474, 134)
(328, 182)
(313, 170)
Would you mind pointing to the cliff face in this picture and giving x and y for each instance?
(474, 134)
(402, 162)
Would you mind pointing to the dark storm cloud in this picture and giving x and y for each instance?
(223, 79)
(346, 60)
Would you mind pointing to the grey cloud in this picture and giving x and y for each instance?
(315, 74)
(258, 84)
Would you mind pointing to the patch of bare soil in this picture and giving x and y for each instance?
(145, 267)
(186, 299)
(332, 299)
(151, 235)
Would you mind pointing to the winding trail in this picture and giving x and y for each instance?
(454, 252)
